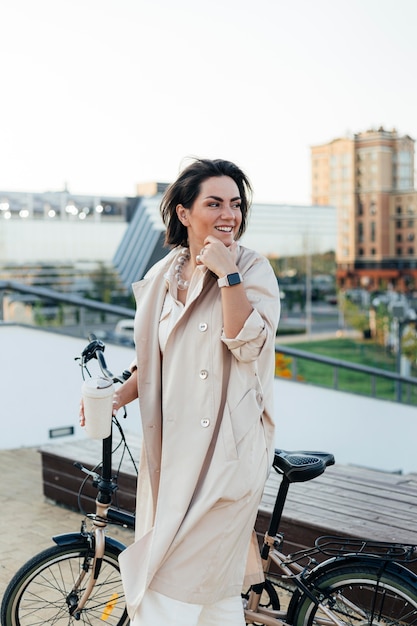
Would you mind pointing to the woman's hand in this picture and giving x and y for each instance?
(217, 257)
(82, 416)
(221, 260)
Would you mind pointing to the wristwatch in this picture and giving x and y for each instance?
(229, 280)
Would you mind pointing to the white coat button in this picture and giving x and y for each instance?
(203, 374)
(202, 327)
(205, 423)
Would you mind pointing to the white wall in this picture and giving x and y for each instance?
(356, 429)
(40, 387)
(23, 241)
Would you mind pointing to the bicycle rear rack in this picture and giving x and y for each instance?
(338, 546)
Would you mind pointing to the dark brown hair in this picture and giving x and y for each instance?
(186, 189)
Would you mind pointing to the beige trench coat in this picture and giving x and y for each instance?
(194, 529)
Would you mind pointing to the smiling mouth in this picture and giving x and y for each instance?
(224, 229)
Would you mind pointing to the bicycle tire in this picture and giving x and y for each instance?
(38, 592)
(361, 595)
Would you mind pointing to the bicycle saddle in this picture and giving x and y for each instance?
(301, 466)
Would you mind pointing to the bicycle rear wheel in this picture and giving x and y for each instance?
(361, 595)
(42, 591)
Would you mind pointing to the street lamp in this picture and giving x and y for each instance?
(403, 315)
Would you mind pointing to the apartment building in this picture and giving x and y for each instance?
(369, 178)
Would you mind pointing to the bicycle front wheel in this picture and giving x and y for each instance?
(43, 590)
(361, 595)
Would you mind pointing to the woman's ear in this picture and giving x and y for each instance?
(182, 214)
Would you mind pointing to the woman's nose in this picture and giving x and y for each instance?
(227, 212)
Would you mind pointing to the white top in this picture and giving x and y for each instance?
(173, 308)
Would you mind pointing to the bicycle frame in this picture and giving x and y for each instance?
(103, 502)
(341, 550)
(103, 513)
(317, 590)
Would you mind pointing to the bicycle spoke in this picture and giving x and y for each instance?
(44, 590)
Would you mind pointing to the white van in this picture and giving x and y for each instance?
(124, 328)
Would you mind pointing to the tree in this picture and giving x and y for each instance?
(105, 282)
(355, 316)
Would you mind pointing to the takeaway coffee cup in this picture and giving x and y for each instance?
(97, 394)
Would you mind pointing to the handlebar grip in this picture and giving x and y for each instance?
(103, 365)
(95, 350)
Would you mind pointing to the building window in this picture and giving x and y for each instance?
(360, 232)
(360, 251)
(399, 237)
(373, 252)
(410, 236)
(398, 223)
(373, 231)
(398, 210)
(372, 208)
(410, 223)
(410, 251)
(399, 251)
(360, 207)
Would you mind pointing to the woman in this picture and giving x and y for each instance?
(205, 339)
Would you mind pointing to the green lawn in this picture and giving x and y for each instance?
(354, 351)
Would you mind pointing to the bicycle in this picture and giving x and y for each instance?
(78, 579)
(360, 582)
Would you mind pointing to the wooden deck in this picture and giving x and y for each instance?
(346, 500)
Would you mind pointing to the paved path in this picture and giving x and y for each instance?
(27, 520)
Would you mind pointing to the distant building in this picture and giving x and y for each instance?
(142, 242)
(275, 230)
(285, 230)
(56, 239)
(60, 205)
(369, 178)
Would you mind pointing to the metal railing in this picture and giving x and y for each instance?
(106, 312)
(404, 388)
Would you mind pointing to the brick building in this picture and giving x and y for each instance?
(369, 178)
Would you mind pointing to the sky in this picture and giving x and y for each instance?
(99, 95)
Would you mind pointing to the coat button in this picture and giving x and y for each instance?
(205, 422)
(203, 374)
(202, 327)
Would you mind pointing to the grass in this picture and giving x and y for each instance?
(359, 352)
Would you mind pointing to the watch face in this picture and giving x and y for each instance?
(234, 279)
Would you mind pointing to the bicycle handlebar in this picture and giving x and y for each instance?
(95, 350)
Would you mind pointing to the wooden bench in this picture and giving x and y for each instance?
(347, 501)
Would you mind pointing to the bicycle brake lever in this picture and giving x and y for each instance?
(81, 467)
(89, 351)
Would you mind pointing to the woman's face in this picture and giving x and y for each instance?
(216, 211)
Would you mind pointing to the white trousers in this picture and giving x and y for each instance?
(157, 609)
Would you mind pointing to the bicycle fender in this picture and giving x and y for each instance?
(68, 539)
(357, 559)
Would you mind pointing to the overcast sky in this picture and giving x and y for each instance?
(103, 94)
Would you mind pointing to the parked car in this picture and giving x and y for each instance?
(125, 328)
